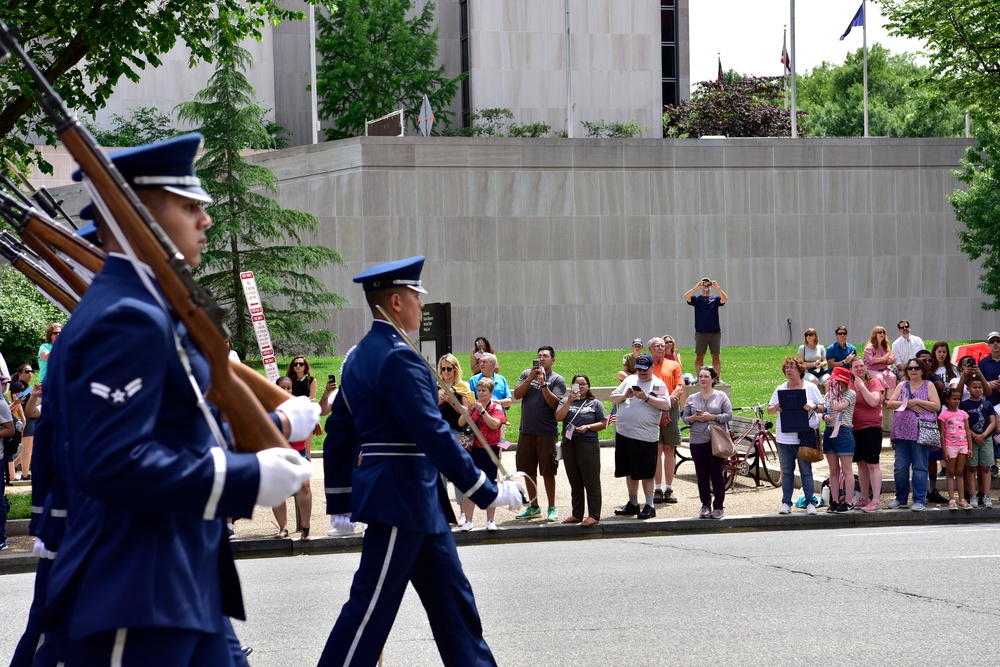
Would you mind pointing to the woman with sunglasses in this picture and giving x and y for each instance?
(52, 331)
(303, 497)
(879, 358)
(303, 383)
(26, 375)
(920, 402)
(813, 357)
(672, 352)
(479, 348)
(451, 373)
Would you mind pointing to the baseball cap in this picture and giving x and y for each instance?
(637, 341)
(644, 362)
(993, 334)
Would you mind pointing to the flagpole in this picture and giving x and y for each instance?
(794, 115)
(569, 80)
(864, 46)
(784, 54)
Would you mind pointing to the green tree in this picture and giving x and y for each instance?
(740, 106)
(962, 43)
(375, 61)
(979, 209)
(143, 126)
(902, 99)
(85, 46)
(25, 313)
(251, 231)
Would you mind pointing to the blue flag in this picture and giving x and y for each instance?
(858, 21)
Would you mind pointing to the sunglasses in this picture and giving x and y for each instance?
(913, 368)
(447, 369)
(905, 326)
(841, 333)
(28, 371)
(299, 363)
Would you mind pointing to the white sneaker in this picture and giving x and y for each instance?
(810, 509)
(987, 502)
(467, 526)
(785, 508)
(461, 518)
(340, 532)
(974, 501)
(895, 504)
(491, 526)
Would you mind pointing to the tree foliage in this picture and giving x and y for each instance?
(143, 126)
(375, 61)
(25, 313)
(251, 231)
(902, 98)
(603, 129)
(85, 46)
(749, 106)
(979, 209)
(962, 44)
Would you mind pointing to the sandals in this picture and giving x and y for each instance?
(952, 505)
(304, 537)
(589, 522)
(281, 534)
(571, 519)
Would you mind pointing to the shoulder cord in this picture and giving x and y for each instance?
(143, 272)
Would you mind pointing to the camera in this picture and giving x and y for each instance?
(333, 378)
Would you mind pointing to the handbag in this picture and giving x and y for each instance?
(928, 433)
(722, 443)
(809, 449)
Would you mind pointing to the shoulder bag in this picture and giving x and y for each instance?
(722, 442)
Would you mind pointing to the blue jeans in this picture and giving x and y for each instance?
(788, 455)
(911, 454)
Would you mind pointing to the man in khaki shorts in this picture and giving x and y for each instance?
(669, 372)
(707, 330)
(539, 389)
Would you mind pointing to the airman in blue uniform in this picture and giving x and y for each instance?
(383, 462)
(143, 574)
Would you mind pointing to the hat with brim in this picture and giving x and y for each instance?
(840, 374)
(167, 165)
(643, 362)
(401, 273)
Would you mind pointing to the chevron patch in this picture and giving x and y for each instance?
(118, 396)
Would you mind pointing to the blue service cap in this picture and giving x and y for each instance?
(167, 164)
(401, 273)
(89, 230)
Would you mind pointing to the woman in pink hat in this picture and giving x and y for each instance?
(838, 439)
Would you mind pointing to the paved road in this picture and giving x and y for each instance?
(881, 595)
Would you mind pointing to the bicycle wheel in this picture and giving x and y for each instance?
(768, 452)
(728, 473)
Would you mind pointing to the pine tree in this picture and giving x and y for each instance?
(250, 230)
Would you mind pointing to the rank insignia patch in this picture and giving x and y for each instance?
(118, 396)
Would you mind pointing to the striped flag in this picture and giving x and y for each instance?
(786, 59)
(613, 417)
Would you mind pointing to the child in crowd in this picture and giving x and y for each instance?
(956, 441)
(982, 423)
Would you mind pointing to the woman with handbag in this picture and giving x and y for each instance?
(790, 441)
(707, 411)
(914, 431)
(582, 416)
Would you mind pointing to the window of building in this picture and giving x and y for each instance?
(466, 66)
(668, 49)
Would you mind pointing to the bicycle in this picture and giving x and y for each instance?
(756, 448)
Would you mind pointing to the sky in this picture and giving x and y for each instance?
(748, 34)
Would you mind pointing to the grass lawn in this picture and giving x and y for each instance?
(752, 372)
(20, 506)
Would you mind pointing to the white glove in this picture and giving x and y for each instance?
(341, 524)
(40, 550)
(509, 494)
(303, 415)
(282, 472)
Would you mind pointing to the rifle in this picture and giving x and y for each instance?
(18, 256)
(41, 196)
(250, 425)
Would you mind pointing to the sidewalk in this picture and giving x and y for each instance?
(748, 507)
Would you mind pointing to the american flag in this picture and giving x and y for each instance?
(786, 60)
(613, 417)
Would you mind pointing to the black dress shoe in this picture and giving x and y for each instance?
(936, 497)
(657, 496)
(668, 496)
(628, 510)
(648, 512)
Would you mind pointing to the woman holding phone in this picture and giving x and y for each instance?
(582, 416)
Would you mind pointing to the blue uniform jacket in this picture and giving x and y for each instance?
(387, 442)
(145, 486)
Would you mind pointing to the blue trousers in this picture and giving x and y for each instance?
(391, 558)
(911, 454)
(787, 456)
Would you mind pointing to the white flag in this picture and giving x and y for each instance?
(426, 120)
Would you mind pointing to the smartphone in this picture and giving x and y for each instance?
(636, 388)
(333, 378)
(25, 393)
(576, 387)
(534, 363)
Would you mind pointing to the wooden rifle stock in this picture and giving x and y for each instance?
(37, 228)
(36, 274)
(250, 425)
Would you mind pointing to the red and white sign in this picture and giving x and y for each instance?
(260, 325)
